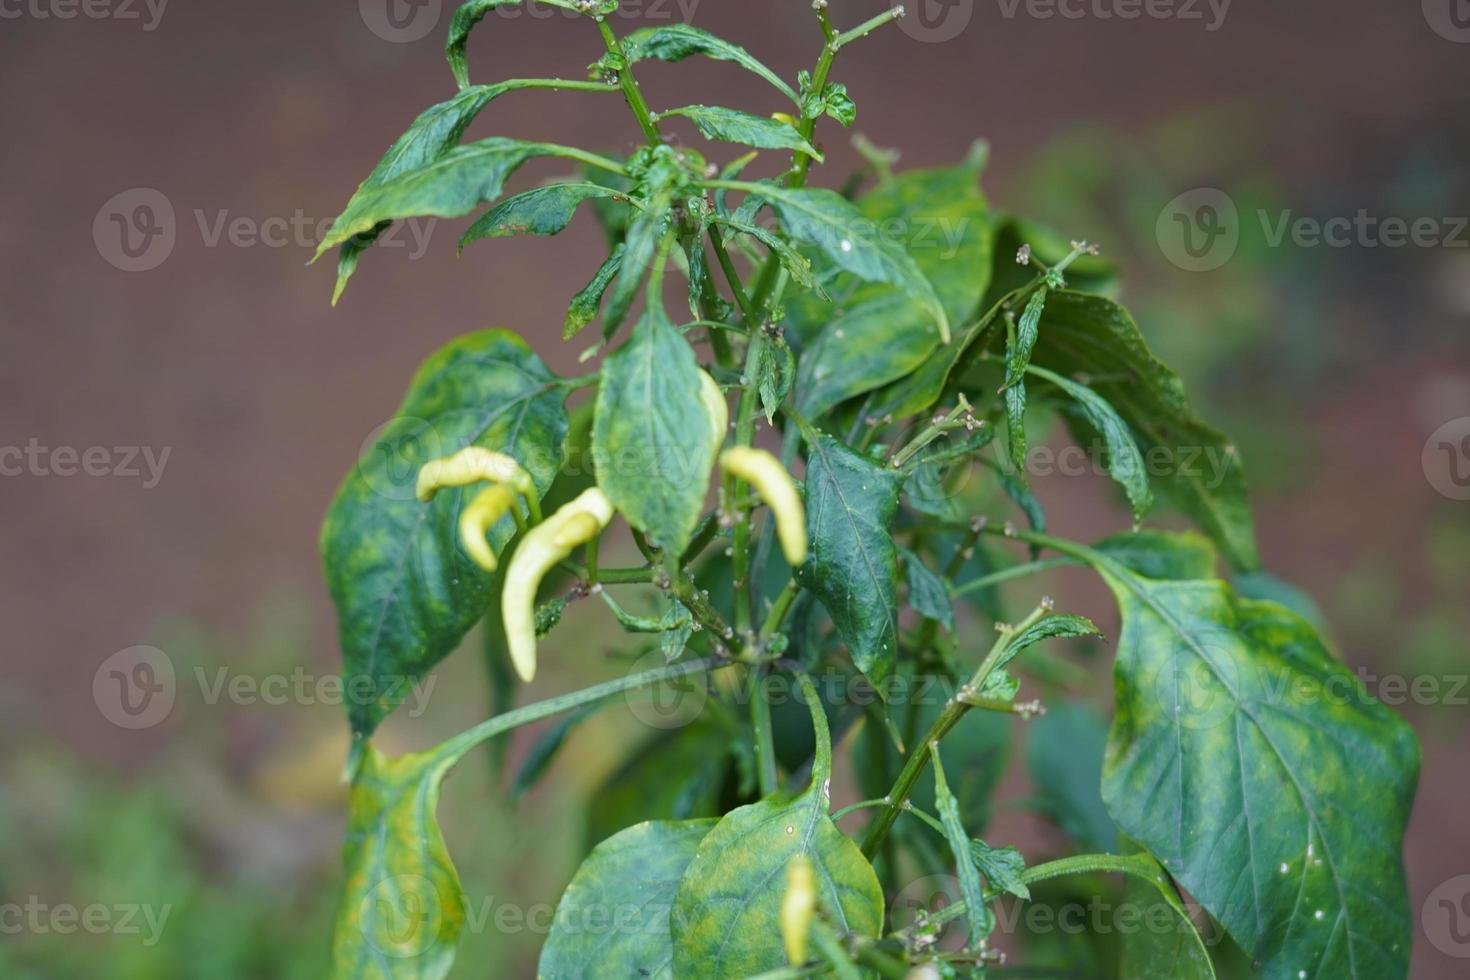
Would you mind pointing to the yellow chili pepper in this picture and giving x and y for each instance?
(471, 465)
(716, 408)
(798, 906)
(482, 513)
(765, 473)
(544, 545)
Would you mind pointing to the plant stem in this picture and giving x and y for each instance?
(456, 748)
(631, 91)
(1013, 572)
(760, 723)
(918, 758)
(865, 28)
(780, 608)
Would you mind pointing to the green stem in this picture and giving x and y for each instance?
(918, 757)
(854, 807)
(631, 91)
(865, 28)
(1135, 866)
(1014, 572)
(760, 723)
(456, 748)
(780, 608)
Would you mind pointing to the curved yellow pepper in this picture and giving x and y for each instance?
(479, 516)
(716, 408)
(765, 473)
(471, 465)
(798, 906)
(544, 545)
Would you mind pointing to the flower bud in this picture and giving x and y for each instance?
(543, 546)
(765, 473)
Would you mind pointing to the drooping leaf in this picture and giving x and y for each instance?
(675, 42)
(641, 250)
(852, 568)
(775, 370)
(447, 186)
(734, 126)
(726, 915)
(1198, 469)
(613, 920)
(1125, 461)
(979, 919)
(1047, 628)
(543, 211)
(832, 224)
(584, 306)
(406, 592)
(402, 906)
(1161, 554)
(928, 594)
(436, 130)
(650, 442)
(1064, 754)
(1280, 806)
(797, 265)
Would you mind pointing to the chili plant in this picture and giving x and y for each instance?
(1245, 768)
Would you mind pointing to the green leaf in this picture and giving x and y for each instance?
(1256, 768)
(1161, 554)
(775, 370)
(979, 920)
(928, 594)
(1002, 867)
(1064, 754)
(650, 442)
(402, 906)
(1178, 952)
(835, 226)
(645, 230)
(726, 916)
(584, 306)
(447, 186)
(405, 591)
(543, 211)
(1200, 471)
(1015, 398)
(853, 565)
(1018, 356)
(436, 130)
(875, 333)
(1047, 628)
(734, 126)
(797, 265)
(675, 42)
(1125, 462)
(613, 920)
(465, 18)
